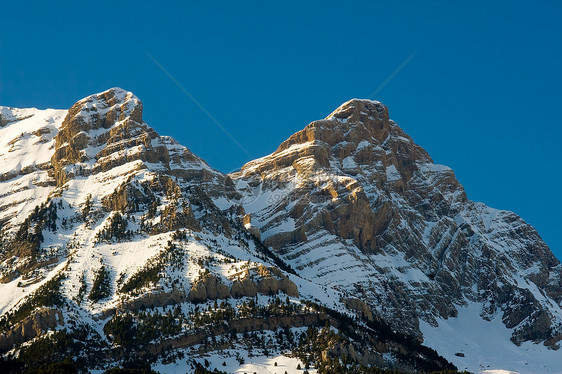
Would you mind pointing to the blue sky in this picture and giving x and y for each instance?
(481, 92)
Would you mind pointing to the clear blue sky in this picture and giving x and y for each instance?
(482, 94)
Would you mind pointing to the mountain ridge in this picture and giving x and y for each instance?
(349, 193)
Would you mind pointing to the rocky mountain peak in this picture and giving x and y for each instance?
(97, 120)
(356, 138)
(101, 111)
(114, 98)
(105, 130)
(355, 184)
(109, 109)
(361, 110)
(354, 121)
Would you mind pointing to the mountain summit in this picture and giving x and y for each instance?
(344, 250)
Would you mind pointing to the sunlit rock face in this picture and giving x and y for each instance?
(353, 203)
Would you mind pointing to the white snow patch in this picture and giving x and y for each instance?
(392, 173)
(486, 345)
(349, 163)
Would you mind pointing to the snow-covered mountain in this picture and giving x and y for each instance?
(119, 244)
(352, 203)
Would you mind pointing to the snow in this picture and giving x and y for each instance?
(258, 199)
(486, 345)
(26, 145)
(349, 163)
(11, 294)
(433, 168)
(287, 225)
(275, 364)
(21, 145)
(363, 144)
(392, 173)
(259, 364)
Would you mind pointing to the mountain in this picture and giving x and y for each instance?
(346, 250)
(121, 247)
(352, 203)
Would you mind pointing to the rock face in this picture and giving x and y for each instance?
(111, 119)
(244, 287)
(105, 131)
(208, 288)
(348, 352)
(268, 281)
(32, 327)
(359, 305)
(273, 281)
(247, 221)
(353, 194)
(154, 300)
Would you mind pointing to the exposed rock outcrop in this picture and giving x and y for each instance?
(267, 281)
(241, 325)
(107, 118)
(349, 353)
(154, 300)
(209, 287)
(244, 287)
(359, 306)
(33, 326)
(254, 230)
(273, 281)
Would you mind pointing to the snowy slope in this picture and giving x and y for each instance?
(486, 345)
(26, 147)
